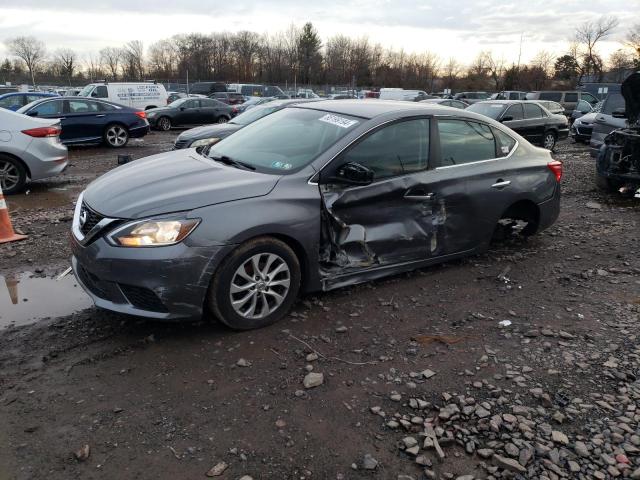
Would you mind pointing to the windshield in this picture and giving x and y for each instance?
(286, 140)
(254, 114)
(86, 91)
(491, 110)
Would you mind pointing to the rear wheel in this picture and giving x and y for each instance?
(256, 285)
(164, 124)
(549, 141)
(116, 136)
(13, 175)
(222, 120)
(606, 184)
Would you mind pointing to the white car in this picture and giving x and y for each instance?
(30, 149)
(140, 95)
(403, 95)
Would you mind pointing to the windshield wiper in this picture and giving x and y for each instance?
(230, 161)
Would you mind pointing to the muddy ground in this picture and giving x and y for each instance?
(95, 395)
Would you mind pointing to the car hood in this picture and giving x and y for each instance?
(210, 131)
(172, 182)
(631, 92)
(587, 118)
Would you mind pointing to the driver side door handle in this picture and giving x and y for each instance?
(418, 196)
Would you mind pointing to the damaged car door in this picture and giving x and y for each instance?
(377, 206)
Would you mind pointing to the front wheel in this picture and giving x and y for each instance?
(13, 175)
(116, 136)
(256, 285)
(549, 141)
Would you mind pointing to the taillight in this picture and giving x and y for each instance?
(556, 167)
(42, 132)
(142, 114)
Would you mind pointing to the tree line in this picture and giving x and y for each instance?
(298, 55)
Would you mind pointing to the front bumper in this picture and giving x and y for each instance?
(165, 283)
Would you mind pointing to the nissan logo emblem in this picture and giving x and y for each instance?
(83, 217)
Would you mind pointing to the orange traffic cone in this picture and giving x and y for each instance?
(6, 230)
(12, 287)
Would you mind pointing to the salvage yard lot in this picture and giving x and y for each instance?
(172, 401)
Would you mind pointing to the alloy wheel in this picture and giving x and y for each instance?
(549, 141)
(9, 175)
(260, 285)
(117, 136)
(164, 124)
(222, 120)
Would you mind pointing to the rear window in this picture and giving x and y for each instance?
(570, 97)
(612, 103)
(553, 96)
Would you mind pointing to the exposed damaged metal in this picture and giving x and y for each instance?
(376, 226)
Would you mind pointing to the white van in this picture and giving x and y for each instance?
(401, 94)
(142, 95)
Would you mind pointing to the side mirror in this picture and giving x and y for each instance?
(619, 113)
(353, 173)
(182, 109)
(507, 118)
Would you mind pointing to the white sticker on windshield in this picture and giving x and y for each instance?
(338, 121)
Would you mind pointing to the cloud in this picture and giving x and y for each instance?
(461, 31)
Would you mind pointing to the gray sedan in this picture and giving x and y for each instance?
(312, 197)
(30, 149)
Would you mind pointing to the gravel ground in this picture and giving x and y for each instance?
(518, 363)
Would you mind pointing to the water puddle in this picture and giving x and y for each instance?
(26, 298)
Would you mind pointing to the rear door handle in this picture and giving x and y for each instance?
(102, 115)
(416, 197)
(501, 184)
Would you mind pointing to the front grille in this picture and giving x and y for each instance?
(91, 219)
(584, 130)
(143, 298)
(180, 144)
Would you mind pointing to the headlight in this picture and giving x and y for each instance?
(204, 142)
(153, 233)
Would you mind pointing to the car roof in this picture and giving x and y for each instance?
(369, 108)
(42, 94)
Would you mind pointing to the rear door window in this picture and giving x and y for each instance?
(464, 141)
(532, 111)
(82, 106)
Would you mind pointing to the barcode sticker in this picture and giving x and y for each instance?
(338, 121)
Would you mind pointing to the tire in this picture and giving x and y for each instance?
(164, 124)
(549, 140)
(13, 175)
(606, 184)
(116, 135)
(222, 119)
(277, 292)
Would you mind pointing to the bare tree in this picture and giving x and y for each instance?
(588, 35)
(134, 55)
(30, 50)
(93, 66)
(451, 71)
(620, 62)
(112, 57)
(67, 61)
(633, 41)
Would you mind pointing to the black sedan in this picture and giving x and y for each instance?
(189, 111)
(528, 118)
(89, 121)
(210, 134)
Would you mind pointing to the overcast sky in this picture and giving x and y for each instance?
(458, 28)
